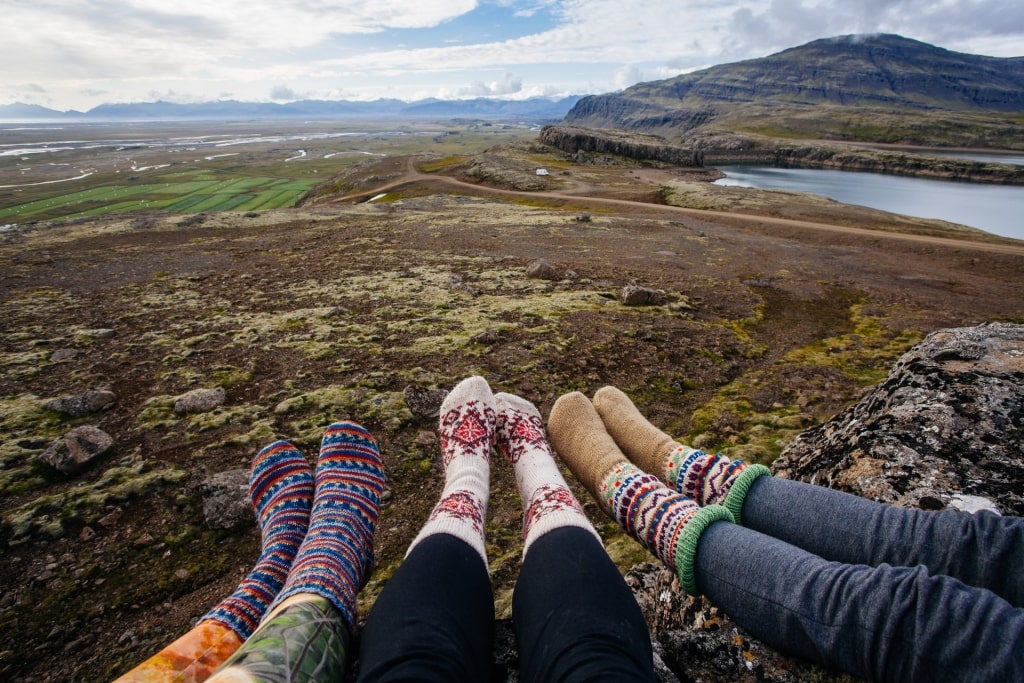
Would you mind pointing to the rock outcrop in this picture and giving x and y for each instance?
(582, 141)
(947, 422)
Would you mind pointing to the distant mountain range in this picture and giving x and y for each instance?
(844, 87)
(533, 108)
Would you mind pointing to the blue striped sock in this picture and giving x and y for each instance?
(335, 558)
(281, 487)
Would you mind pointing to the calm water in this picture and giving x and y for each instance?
(997, 209)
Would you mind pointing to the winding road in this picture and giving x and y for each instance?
(413, 176)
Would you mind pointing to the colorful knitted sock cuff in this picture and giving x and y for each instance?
(337, 553)
(686, 547)
(738, 492)
(281, 487)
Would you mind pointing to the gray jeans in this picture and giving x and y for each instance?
(884, 593)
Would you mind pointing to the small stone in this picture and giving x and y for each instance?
(542, 270)
(199, 400)
(143, 540)
(111, 518)
(102, 333)
(61, 355)
(181, 574)
(487, 337)
(73, 451)
(80, 405)
(424, 403)
(635, 295)
(87, 534)
(226, 501)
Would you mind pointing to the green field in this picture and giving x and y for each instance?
(127, 172)
(188, 192)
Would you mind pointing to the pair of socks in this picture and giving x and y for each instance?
(665, 494)
(317, 538)
(473, 420)
(317, 528)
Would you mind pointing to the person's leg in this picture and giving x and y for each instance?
(880, 623)
(707, 478)
(281, 488)
(305, 639)
(983, 549)
(434, 619)
(574, 617)
(306, 634)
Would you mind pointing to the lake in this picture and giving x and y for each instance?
(998, 209)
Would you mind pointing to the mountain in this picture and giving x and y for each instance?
(533, 108)
(20, 110)
(832, 79)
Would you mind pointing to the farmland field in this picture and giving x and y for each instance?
(72, 170)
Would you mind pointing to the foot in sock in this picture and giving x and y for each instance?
(467, 428)
(337, 553)
(663, 521)
(548, 504)
(281, 487)
(707, 478)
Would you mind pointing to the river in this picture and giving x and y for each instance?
(998, 209)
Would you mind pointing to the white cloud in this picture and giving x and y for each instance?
(627, 76)
(506, 85)
(195, 50)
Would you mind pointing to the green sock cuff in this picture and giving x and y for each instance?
(686, 546)
(738, 492)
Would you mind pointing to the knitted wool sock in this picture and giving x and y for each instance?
(467, 427)
(337, 553)
(548, 503)
(281, 487)
(708, 478)
(663, 521)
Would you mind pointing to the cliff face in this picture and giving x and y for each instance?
(633, 146)
(851, 72)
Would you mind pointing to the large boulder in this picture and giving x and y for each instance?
(945, 429)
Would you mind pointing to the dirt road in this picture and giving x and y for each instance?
(413, 176)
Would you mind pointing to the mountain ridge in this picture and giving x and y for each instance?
(536, 107)
(831, 77)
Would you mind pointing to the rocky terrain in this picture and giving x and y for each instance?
(144, 354)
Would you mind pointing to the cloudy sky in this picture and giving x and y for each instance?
(75, 54)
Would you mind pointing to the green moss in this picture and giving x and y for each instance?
(228, 376)
(219, 417)
(158, 411)
(125, 481)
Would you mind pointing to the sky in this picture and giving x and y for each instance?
(77, 54)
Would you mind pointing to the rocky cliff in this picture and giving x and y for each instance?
(584, 142)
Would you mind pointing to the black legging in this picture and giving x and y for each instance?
(575, 618)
